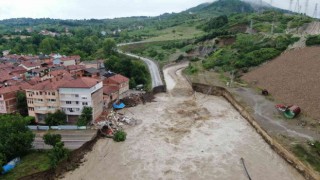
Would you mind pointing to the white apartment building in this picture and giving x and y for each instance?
(81, 92)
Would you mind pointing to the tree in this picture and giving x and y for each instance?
(51, 139)
(57, 154)
(16, 138)
(48, 45)
(57, 118)
(109, 46)
(22, 105)
(85, 117)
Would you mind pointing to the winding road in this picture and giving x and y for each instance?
(152, 66)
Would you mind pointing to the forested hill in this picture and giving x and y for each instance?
(206, 10)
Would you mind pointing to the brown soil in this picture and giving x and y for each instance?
(292, 78)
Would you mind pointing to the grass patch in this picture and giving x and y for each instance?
(34, 162)
(177, 33)
(307, 155)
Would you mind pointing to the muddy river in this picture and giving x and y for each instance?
(185, 136)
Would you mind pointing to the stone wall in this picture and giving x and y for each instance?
(305, 170)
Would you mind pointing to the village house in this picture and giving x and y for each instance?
(97, 64)
(76, 70)
(110, 94)
(92, 72)
(29, 65)
(8, 98)
(119, 81)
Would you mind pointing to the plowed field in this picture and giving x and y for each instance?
(292, 78)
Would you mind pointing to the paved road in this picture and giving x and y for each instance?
(153, 68)
(72, 139)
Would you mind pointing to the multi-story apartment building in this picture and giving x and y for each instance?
(79, 93)
(43, 98)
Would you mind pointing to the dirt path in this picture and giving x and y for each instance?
(185, 136)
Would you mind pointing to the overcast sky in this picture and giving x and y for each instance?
(99, 9)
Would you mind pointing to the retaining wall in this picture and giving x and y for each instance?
(305, 170)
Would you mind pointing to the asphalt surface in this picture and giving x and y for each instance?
(72, 139)
(153, 69)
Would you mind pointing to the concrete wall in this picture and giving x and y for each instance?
(305, 170)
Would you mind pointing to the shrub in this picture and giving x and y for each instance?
(57, 154)
(120, 136)
(57, 118)
(52, 139)
(313, 40)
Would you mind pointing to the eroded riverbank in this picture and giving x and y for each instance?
(185, 136)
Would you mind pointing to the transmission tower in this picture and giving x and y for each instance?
(315, 13)
(297, 7)
(306, 8)
(290, 6)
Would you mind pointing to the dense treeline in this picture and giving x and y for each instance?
(135, 70)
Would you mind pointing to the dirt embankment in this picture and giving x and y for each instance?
(74, 160)
(306, 171)
(292, 78)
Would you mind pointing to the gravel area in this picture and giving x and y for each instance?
(292, 78)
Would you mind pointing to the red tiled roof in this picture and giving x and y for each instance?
(31, 64)
(51, 84)
(60, 72)
(118, 78)
(68, 58)
(83, 82)
(14, 88)
(75, 67)
(110, 89)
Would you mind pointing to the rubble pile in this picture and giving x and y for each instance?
(115, 122)
(135, 99)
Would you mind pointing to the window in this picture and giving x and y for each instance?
(52, 100)
(37, 93)
(45, 93)
(31, 109)
(77, 102)
(40, 92)
(85, 103)
(68, 102)
(49, 93)
(84, 97)
(53, 93)
(78, 109)
(77, 95)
